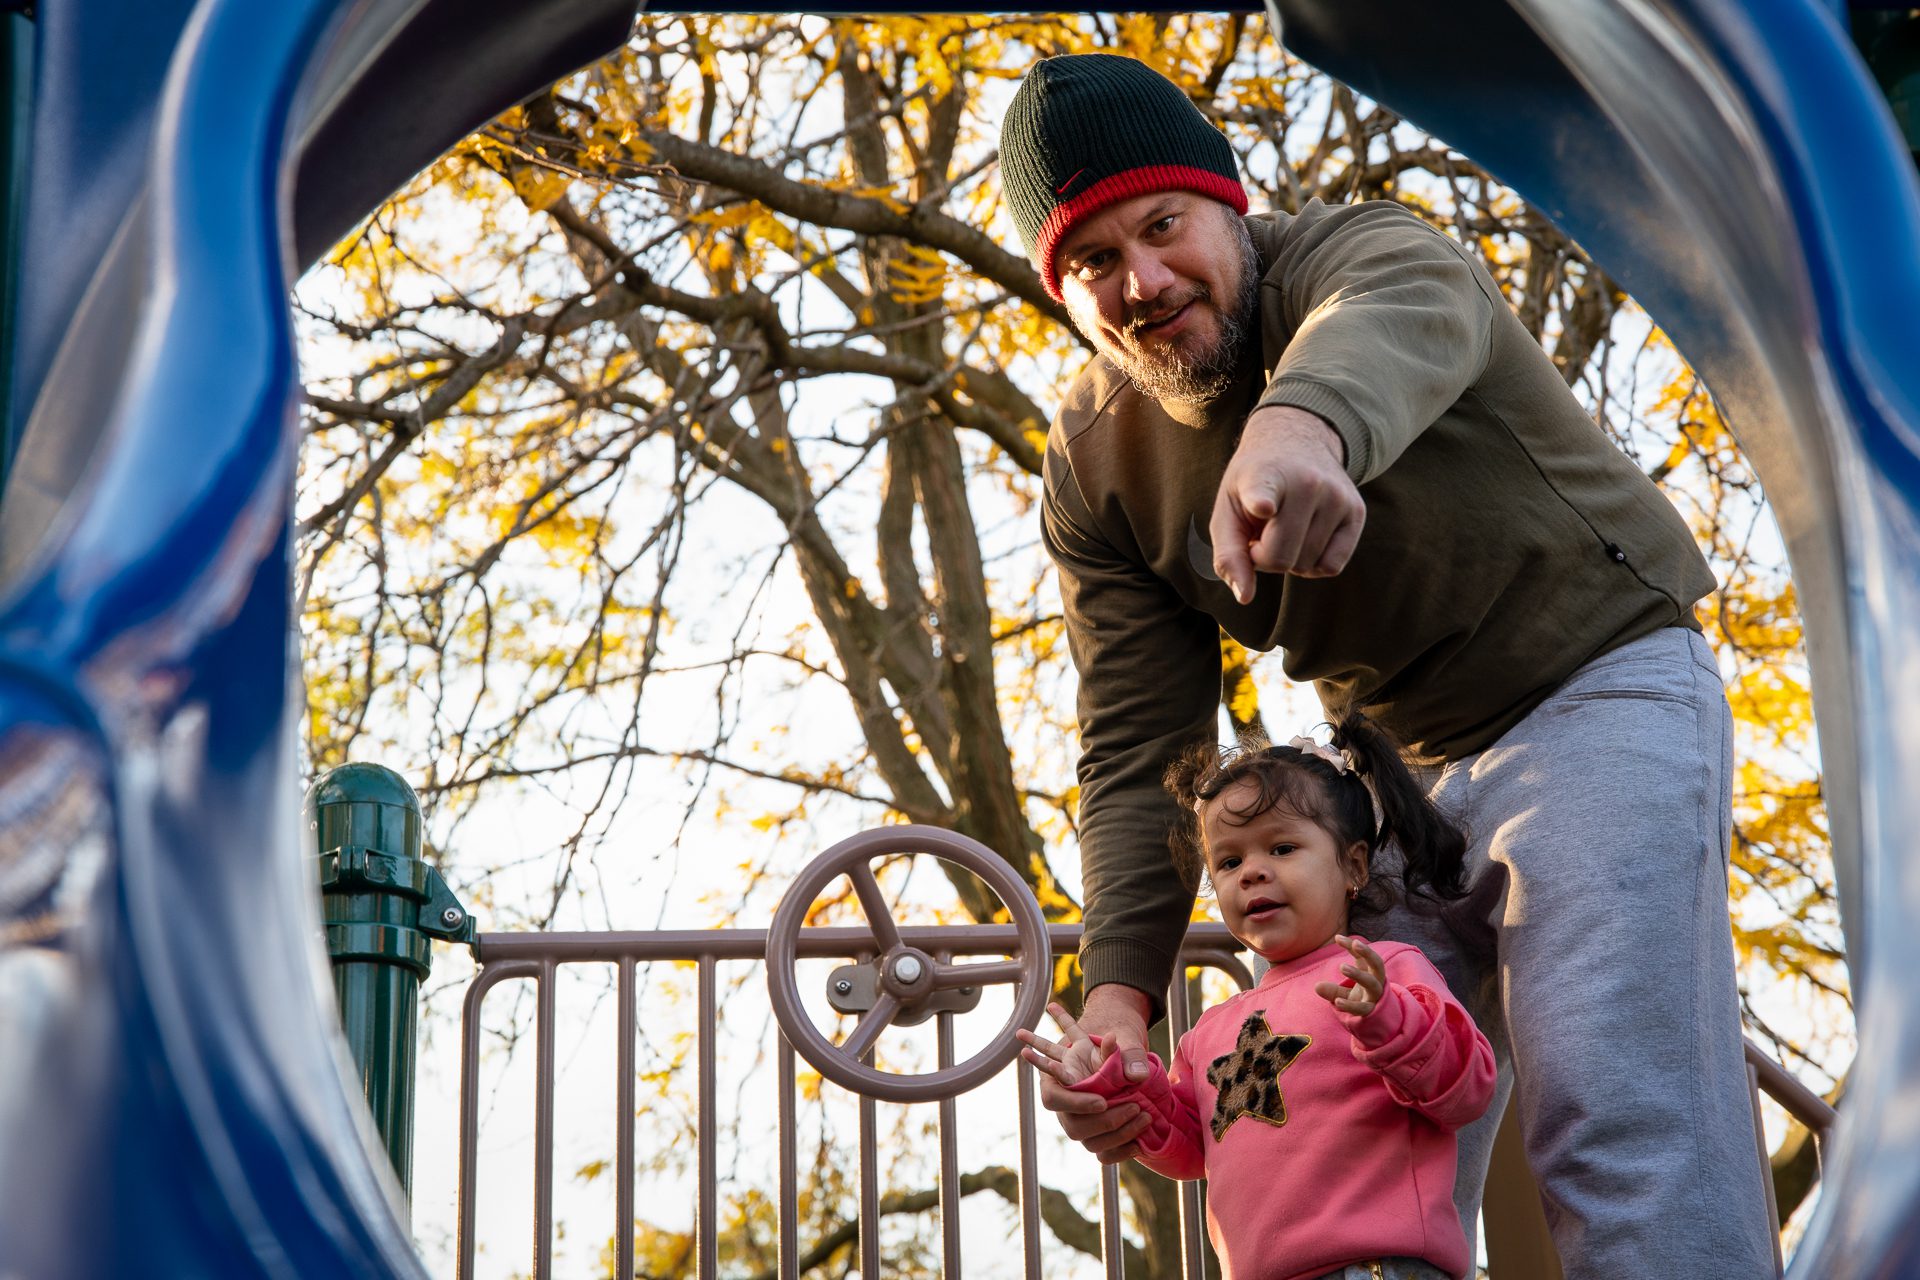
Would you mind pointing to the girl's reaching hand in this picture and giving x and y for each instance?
(1367, 979)
(1072, 1059)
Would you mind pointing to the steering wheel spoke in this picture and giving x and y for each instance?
(873, 904)
(871, 1024)
(948, 976)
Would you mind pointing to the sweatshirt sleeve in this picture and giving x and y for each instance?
(1149, 668)
(1425, 1045)
(1389, 321)
(1172, 1145)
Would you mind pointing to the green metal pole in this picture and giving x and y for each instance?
(383, 906)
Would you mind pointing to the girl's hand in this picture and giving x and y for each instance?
(1070, 1061)
(1368, 982)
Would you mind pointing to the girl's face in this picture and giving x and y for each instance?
(1281, 881)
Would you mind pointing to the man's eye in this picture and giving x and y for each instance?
(1164, 225)
(1091, 265)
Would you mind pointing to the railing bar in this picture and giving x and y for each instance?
(1210, 940)
(1112, 1246)
(949, 1159)
(623, 1131)
(490, 976)
(789, 1255)
(1766, 1171)
(1802, 1103)
(469, 1124)
(709, 1225)
(1192, 1258)
(1225, 961)
(869, 1187)
(1029, 1174)
(543, 1067)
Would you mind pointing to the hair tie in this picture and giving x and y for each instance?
(1332, 755)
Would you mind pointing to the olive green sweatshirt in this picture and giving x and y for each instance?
(1507, 542)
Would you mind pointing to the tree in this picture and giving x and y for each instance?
(742, 284)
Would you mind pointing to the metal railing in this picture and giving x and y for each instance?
(383, 903)
(1764, 1075)
(539, 956)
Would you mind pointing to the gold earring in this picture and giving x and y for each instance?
(1353, 892)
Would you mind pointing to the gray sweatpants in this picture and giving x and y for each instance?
(1594, 950)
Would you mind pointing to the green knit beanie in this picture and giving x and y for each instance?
(1091, 129)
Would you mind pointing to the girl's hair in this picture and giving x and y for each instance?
(1340, 802)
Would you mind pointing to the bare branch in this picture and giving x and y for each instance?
(864, 214)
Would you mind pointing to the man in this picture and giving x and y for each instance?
(1326, 433)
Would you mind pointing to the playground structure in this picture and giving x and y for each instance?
(168, 165)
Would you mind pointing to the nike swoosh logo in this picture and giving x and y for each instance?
(1199, 551)
(1062, 188)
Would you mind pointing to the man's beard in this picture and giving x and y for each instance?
(1167, 373)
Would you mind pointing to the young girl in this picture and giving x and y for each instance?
(1320, 1105)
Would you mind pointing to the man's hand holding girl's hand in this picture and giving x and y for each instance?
(1367, 979)
(1069, 1061)
(1118, 1015)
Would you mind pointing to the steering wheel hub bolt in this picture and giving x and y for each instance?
(907, 969)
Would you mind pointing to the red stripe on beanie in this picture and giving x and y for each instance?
(1146, 180)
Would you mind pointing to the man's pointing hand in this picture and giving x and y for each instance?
(1286, 503)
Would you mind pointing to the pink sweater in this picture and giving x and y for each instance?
(1325, 1139)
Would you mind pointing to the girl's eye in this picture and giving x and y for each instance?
(1228, 864)
(1282, 850)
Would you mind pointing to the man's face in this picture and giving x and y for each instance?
(1165, 286)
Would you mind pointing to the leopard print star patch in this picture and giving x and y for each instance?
(1248, 1079)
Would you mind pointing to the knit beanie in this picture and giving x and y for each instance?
(1089, 130)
